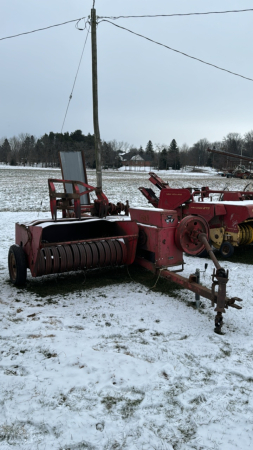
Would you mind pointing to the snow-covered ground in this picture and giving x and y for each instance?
(118, 366)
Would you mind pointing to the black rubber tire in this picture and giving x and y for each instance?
(226, 249)
(17, 265)
(203, 254)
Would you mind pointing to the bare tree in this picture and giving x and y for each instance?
(120, 146)
(233, 143)
(184, 149)
(248, 144)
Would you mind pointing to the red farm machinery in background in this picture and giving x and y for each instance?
(96, 235)
(230, 219)
(236, 171)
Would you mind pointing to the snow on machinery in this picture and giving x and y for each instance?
(230, 219)
(97, 235)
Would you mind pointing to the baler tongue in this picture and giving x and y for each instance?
(194, 230)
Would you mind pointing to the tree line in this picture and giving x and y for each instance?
(27, 150)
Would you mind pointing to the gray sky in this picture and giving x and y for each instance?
(145, 91)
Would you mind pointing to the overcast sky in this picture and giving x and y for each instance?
(145, 91)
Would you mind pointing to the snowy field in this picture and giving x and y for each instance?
(103, 362)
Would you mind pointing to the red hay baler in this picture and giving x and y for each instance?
(230, 219)
(99, 236)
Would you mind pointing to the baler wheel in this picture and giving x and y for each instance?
(226, 249)
(17, 265)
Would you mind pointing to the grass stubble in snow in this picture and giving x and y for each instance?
(103, 362)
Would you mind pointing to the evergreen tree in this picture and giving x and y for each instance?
(77, 136)
(108, 155)
(173, 156)
(163, 160)
(5, 151)
(141, 151)
(150, 151)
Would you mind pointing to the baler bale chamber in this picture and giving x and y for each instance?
(50, 247)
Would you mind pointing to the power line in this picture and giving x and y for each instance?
(41, 29)
(127, 17)
(71, 94)
(177, 15)
(177, 51)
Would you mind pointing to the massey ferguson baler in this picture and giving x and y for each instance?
(98, 235)
(230, 219)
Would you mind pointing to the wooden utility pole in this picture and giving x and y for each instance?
(95, 97)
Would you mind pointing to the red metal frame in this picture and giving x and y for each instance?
(64, 199)
(227, 215)
(161, 242)
(30, 238)
(55, 246)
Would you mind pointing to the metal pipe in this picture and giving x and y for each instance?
(246, 158)
(202, 238)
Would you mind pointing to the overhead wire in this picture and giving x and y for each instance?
(77, 23)
(176, 15)
(73, 87)
(42, 29)
(127, 17)
(177, 51)
(105, 19)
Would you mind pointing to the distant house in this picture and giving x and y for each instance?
(136, 162)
